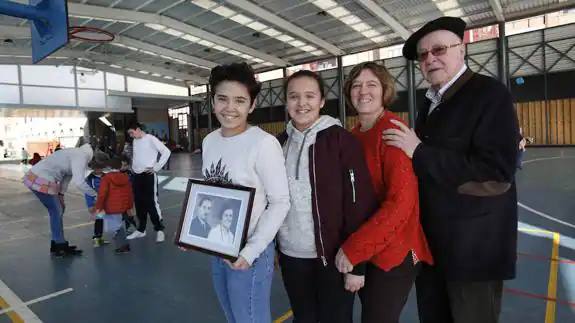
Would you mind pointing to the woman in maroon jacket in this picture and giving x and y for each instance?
(392, 240)
(331, 196)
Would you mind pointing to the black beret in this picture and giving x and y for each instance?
(453, 24)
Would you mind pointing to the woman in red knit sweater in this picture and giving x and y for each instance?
(392, 240)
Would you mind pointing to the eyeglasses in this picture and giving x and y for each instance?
(438, 50)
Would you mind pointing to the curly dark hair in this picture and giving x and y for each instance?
(238, 72)
(306, 73)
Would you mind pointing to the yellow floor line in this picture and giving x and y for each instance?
(284, 317)
(536, 230)
(12, 315)
(552, 287)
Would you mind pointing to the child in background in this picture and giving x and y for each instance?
(129, 219)
(93, 180)
(114, 199)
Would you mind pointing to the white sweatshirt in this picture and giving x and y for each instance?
(145, 154)
(65, 166)
(253, 158)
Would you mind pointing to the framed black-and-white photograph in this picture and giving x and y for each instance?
(215, 218)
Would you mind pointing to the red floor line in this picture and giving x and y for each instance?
(537, 296)
(545, 258)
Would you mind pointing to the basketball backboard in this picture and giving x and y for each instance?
(48, 23)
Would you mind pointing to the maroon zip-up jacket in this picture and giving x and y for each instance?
(343, 196)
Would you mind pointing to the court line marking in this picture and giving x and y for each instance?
(546, 216)
(551, 307)
(17, 305)
(12, 315)
(284, 317)
(523, 293)
(539, 213)
(37, 300)
(545, 258)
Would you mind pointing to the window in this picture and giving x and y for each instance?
(9, 74)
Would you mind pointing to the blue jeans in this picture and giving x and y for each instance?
(245, 294)
(52, 203)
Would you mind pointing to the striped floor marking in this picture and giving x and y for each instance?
(551, 306)
(11, 314)
(13, 304)
(284, 317)
(550, 309)
(37, 300)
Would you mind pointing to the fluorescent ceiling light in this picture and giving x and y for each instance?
(338, 12)
(156, 26)
(220, 48)
(234, 52)
(206, 43)
(191, 38)
(271, 32)
(204, 3)
(257, 26)
(308, 48)
(362, 26)
(115, 66)
(325, 4)
(241, 19)
(370, 33)
(144, 72)
(317, 53)
(350, 20)
(224, 11)
(297, 43)
(149, 53)
(268, 64)
(173, 32)
(285, 38)
(258, 60)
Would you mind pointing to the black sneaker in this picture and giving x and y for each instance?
(123, 249)
(64, 249)
(54, 249)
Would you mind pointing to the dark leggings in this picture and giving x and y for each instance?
(385, 292)
(316, 292)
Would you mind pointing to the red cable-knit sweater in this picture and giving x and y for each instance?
(389, 234)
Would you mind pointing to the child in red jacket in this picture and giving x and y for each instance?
(114, 199)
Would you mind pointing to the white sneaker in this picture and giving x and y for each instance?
(160, 236)
(136, 234)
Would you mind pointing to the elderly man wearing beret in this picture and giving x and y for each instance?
(463, 151)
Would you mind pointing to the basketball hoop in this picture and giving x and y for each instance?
(90, 34)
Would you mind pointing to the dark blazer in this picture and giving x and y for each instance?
(343, 196)
(466, 167)
(199, 229)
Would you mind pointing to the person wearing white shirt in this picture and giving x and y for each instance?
(145, 165)
(240, 154)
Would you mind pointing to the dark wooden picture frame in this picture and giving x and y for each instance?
(242, 197)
